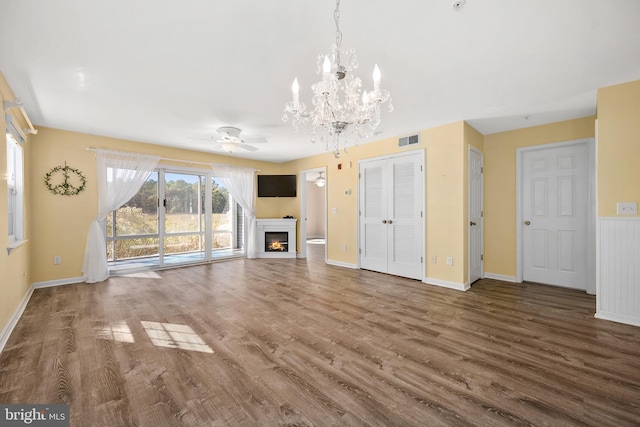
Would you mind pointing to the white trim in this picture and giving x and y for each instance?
(59, 282)
(615, 317)
(15, 245)
(591, 195)
(481, 154)
(13, 320)
(302, 253)
(341, 264)
(445, 284)
(619, 218)
(502, 277)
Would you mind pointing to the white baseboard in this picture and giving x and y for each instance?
(341, 264)
(615, 317)
(500, 277)
(445, 284)
(59, 282)
(13, 321)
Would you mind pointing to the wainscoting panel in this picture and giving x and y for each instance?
(618, 276)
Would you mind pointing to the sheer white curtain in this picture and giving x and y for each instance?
(120, 176)
(240, 183)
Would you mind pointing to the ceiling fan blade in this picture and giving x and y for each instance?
(210, 139)
(248, 147)
(255, 140)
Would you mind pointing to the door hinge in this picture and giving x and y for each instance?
(420, 168)
(359, 250)
(481, 169)
(481, 257)
(421, 260)
(420, 214)
(481, 214)
(359, 175)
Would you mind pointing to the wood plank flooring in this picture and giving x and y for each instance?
(300, 343)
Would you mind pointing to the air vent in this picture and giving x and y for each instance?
(408, 140)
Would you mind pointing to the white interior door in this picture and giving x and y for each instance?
(475, 216)
(555, 216)
(391, 209)
(404, 222)
(373, 216)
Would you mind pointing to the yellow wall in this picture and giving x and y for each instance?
(446, 154)
(618, 146)
(14, 269)
(60, 223)
(500, 185)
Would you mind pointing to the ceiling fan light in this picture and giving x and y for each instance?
(229, 147)
(320, 181)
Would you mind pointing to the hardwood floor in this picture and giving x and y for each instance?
(297, 342)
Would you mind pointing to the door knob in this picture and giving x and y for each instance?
(472, 223)
(384, 221)
(390, 222)
(527, 223)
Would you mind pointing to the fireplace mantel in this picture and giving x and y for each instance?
(282, 225)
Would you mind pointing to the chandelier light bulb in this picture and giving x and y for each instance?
(376, 78)
(326, 70)
(295, 89)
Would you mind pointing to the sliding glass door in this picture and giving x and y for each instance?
(177, 217)
(183, 218)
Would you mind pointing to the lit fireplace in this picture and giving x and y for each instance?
(276, 241)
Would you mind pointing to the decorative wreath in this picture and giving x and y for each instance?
(65, 180)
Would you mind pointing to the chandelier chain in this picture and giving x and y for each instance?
(336, 18)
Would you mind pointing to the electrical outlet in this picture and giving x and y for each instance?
(434, 259)
(449, 260)
(345, 248)
(628, 208)
(57, 260)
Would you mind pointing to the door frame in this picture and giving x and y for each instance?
(423, 240)
(591, 202)
(303, 211)
(481, 154)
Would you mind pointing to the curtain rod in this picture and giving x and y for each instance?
(17, 103)
(178, 160)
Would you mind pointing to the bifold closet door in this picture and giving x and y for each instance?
(391, 211)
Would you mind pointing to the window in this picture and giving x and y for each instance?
(15, 181)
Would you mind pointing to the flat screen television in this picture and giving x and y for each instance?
(277, 186)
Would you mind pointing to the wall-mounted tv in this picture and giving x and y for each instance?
(277, 186)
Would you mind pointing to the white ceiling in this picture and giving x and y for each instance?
(164, 72)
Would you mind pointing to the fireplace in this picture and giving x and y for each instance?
(276, 241)
(276, 238)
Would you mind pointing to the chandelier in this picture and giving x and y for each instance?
(342, 109)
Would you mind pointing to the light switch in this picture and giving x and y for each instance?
(627, 208)
(334, 211)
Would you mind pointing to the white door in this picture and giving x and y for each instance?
(391, 210)
(475, 216)
(555, 216)
(373, 215)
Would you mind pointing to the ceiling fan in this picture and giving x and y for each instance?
(231, 142)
